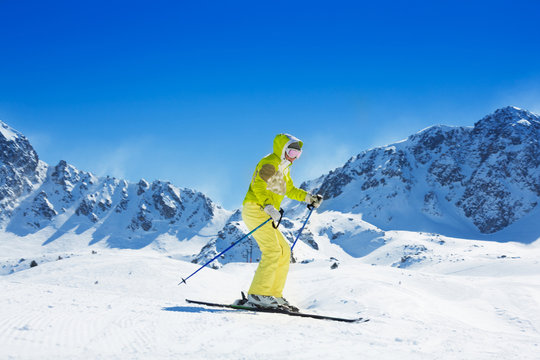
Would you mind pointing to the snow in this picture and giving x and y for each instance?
(524, 122)
(464, 300)
(7, 132)
(107, 287)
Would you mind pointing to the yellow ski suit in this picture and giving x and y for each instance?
(270, 183)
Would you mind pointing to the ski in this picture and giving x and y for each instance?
(278, 311)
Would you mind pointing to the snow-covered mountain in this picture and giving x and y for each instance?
(62, 200)
(480, 182)
(459, 181)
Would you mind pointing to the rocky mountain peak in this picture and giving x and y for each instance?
(20, 168)
(488, 176)
(7, 133)
(16, 151)
(506, 117)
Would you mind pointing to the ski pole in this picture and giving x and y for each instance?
(310, 207)
(224, 251)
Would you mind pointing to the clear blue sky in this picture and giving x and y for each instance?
(195, 91)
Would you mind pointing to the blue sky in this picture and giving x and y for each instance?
(194, 92)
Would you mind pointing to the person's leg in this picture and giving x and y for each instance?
(282, 267)
(268, 242)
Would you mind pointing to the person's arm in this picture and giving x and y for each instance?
(293, 192)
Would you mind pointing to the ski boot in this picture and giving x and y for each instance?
(284, 303)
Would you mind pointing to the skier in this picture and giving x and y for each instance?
(270, 183)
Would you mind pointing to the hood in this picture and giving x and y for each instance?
(282, 141)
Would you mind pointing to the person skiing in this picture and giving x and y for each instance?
(270, 183)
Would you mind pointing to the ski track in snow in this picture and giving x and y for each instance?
(137, 310)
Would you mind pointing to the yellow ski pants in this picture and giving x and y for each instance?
(272, 271)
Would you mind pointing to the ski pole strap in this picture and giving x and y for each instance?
(224, 251)
(279, 222)
(302, 228)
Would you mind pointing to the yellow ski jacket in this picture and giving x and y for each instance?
(271, 181)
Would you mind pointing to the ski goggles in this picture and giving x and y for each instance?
(294, 153)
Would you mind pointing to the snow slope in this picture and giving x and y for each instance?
(127, 304)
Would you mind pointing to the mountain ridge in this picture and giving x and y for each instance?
(34, 196)
(480, 182)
